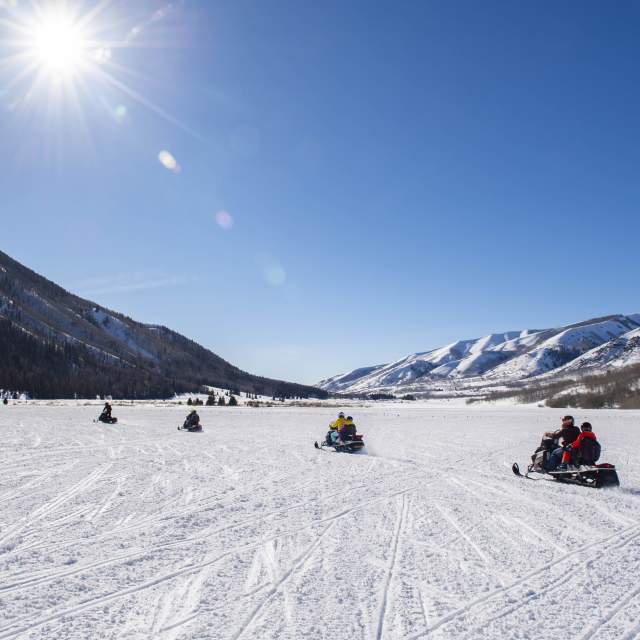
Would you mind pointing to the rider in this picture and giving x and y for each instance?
(334, 428)
(192, 421)
(569, 433)
(105, 416)
(585, 447)
(348, 430)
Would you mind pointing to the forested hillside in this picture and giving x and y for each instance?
(56, 344)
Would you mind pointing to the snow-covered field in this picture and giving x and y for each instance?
(247, 532)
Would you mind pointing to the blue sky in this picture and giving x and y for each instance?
(398, 175)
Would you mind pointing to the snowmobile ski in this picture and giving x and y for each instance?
(516, 470)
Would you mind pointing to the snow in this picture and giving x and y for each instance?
(247, 532)
(621, 352)
(567, 345)
(5, 303)
(118, 330)
(495, 359)
(590, 335)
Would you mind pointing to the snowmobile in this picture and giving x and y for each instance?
(191, 423)
(194, 429)
(586, 475)
(107, 419)
(350, 446)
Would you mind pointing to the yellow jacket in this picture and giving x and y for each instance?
(337, 424)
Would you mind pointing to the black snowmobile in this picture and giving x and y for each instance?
(192, 423)
(583, 469)
(107, 418)
(353, 445)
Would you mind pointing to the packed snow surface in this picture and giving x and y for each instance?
(247, 532)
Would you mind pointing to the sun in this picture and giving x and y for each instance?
(59, 46)
(61, 58)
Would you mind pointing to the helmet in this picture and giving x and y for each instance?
(349, 419)
(341, 414)
(586, 426)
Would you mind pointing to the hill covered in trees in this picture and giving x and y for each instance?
(56, 344)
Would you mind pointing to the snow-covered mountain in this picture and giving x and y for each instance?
(499, 358)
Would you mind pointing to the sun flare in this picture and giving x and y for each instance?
(59, 46)
(67, 60)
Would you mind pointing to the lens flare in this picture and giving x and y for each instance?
(169, 162)
(275, 275)
(120, 113)
(224, 220)
(102, 55)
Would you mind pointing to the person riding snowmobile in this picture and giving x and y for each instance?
(106, 416)
(568, 432)
(585, 449)
(334, 428)
(339, 422)
(192, 421)
(344, 439)
(348, 430)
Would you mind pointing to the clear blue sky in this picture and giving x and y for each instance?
(399, 174)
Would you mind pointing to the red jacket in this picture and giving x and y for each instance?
(584, 435)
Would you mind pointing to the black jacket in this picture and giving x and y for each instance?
(192, 420)
(568, 434)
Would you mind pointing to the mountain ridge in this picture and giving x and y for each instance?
(502, 358)
(92, 350)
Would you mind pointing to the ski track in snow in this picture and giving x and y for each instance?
(246, 532)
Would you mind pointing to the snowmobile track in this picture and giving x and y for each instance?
(49, 507)
(30, 582)
(298, 564)
(219, 536)
(386, 600)
(492, 594)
